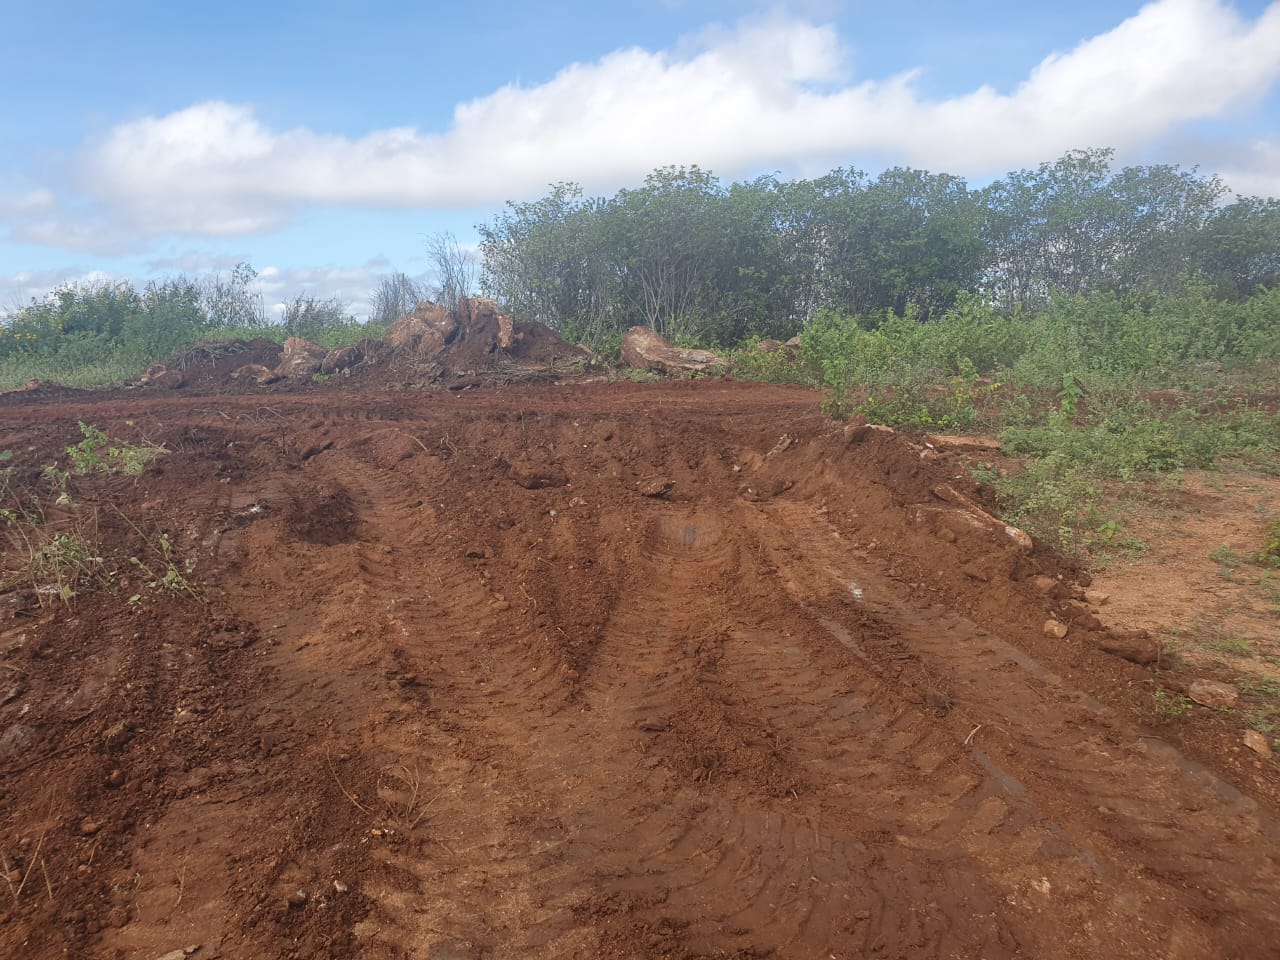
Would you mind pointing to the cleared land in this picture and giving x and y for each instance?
(609, 670)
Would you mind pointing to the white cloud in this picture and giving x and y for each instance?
(29, 203)
(352, 285)
(772, 93)
(196, 261)
(1254, 169)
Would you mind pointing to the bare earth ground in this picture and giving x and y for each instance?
(1196, 582)
(593, 671)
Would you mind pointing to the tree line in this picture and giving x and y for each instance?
(698, 259)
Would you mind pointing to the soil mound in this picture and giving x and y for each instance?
(472, 344)
(36, 389)
(210, 363)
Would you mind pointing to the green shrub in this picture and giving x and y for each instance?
(1269, 555)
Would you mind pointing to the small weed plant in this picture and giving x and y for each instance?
(1269, 555)
(166, 574)
(98, 453)
(1168, 707)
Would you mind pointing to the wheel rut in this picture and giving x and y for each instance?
(606, 673)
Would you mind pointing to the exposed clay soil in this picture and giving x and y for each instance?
(591, 671)
(1198, 580)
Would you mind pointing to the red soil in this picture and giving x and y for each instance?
(591, 671)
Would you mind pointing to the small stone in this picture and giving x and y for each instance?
(340, 887)
(1096, 598)
(1052, 628)
(1043, 584)
(1213, 693)
(1258, 743)
(974, 573)
(116, 778)
(784, 443)
(1021, 538)
(947, 535)
(1136, 646)
(297, 899)
(656, 488)
(89, 827)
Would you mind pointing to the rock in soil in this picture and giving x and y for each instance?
(254, 373)
(1213, 693)
(1258, 743)
(1052, 628)
(180, 954)
(301, 358)
(1137, 647)
(656, 488)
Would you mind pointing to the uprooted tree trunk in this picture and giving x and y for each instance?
(646, 349)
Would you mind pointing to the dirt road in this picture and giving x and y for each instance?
(670, 670)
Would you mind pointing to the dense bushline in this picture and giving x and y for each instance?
(1093, 342)
(700, 260)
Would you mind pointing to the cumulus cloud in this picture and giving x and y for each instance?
(772, 93)
(1253, 169)
(354, 286)
(28, 203)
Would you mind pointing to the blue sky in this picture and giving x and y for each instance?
(322, 141)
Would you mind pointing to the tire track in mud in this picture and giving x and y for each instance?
(574, 721)
(1126, 805)
(681, 738)
(721, 775)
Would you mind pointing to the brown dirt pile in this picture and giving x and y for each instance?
(472, 344)
(673, 670)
